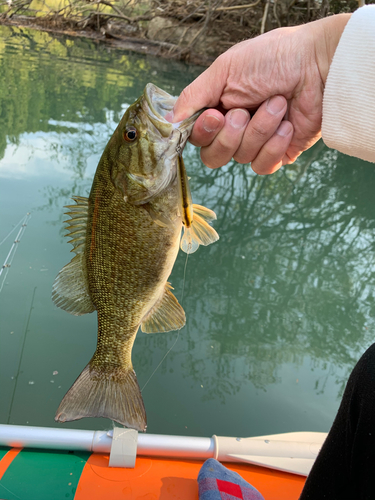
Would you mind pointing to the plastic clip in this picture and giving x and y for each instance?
(124, 448)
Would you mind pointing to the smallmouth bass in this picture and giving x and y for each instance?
(126, 237)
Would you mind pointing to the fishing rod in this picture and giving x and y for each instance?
(9, 258)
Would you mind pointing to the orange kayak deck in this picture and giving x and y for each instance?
(39, 474)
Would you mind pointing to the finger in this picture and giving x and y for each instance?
(270, 157)
(227, 141)
(204, 92)
(207, 127)
(296, 148)
(261, 128)
(288, 160)
(307, 126)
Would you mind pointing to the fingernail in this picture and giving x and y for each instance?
(238, 118)
(275, 104)
(284, 129)
(210, 123)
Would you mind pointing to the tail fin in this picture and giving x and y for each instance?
(115, 395)
(200, 232)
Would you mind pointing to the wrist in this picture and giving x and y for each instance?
(327, 34)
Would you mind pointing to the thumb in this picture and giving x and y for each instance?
(204, 92)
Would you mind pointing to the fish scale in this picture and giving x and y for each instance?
(126, 237)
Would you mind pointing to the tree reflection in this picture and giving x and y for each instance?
(73, 80)
(292, 275)
(293, 272)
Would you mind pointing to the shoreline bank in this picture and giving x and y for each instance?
(196, 31)
(134, 44)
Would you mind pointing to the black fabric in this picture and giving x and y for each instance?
(345, 466)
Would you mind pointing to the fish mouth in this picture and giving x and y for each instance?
(160, 103)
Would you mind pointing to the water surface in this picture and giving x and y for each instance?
(278, 311)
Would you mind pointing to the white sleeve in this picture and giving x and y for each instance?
(349, 96)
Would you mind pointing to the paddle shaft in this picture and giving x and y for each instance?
(292, 452)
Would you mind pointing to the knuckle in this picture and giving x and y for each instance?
(186, 94)
(290, 160)
(194, 141)
(212, 160)
(291, 155)
(264, 167)
(259, 131)
(222, 147)
(242, 158)
(246, 153)
(256, 168)
(223, 61)
(270, 154)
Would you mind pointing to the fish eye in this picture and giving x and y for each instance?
(130, 134)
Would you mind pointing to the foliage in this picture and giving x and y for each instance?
(179, 28)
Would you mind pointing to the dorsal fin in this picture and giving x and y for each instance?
(70, 289)
(166, 315)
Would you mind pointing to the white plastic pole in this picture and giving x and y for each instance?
(291, 452)
(20, 436)
(101, 441)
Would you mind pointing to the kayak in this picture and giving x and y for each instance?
(58, 464)
(42, 475)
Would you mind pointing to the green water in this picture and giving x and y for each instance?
(278, 311)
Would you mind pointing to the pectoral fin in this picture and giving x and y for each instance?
(161, 219)
(70, 288)
(166, 315)
(200, 232)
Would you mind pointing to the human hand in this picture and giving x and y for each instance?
(279, 78)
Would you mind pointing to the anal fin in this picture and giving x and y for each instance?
(166, 315)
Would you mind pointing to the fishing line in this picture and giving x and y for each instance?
(178, 333)
(21, 355)
(11, 492)
(12, 252)
(179, 153)
(15, 227)
(183, 281)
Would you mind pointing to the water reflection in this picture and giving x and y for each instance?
(278, 310)
(294, 268)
